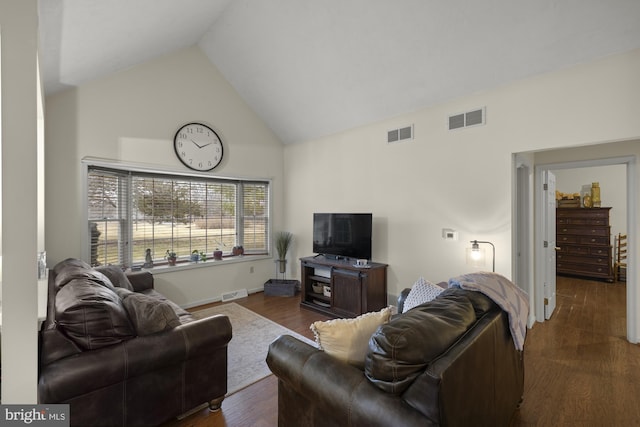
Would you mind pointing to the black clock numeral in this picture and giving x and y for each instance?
(182, 135)
(183, 154)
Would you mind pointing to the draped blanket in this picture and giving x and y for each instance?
(503, 292)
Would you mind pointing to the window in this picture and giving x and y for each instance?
(130, 212)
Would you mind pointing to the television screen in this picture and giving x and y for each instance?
(342, 234)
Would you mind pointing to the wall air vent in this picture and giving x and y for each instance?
(468, 119)
(401, 134)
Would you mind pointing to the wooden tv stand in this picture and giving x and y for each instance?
(354, 290)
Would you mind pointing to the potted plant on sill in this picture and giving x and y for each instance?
(283, 243)
(195, 256)
(171, 257)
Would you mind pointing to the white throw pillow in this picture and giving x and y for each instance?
(422, 291)
(348, 339)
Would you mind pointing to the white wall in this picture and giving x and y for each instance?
(456, 179)
(21, 231)
(133, 116)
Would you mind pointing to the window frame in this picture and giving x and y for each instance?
(142, 169)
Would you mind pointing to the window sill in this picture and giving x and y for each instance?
(162, 269)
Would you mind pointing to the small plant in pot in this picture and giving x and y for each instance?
(171, 257)
(195, 256)
(283, 243)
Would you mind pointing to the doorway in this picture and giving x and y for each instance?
(536, 288)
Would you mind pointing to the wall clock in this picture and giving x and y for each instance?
(198, 147)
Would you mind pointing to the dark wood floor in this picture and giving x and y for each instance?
(579, 368)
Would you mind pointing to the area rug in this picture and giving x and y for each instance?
(247, 350)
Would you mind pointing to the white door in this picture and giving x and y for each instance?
(549, 243)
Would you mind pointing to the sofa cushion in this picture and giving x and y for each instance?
(400, 350)
(148, 314)
(71, 268)
(91, 314)
(348, 339)
(422, 291)
(116, 276)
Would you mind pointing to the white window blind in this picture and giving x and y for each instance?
(131, 212)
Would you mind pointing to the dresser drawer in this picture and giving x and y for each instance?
(576, 213)
(589, 240)
(567, 239)
(584, 231)
(585, 250)
(582, 221)
(591, 260)
(583, 269)
(582, 240)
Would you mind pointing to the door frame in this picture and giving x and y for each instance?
(540, 212)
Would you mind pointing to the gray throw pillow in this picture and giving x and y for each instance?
(116, 276)
(147, 314)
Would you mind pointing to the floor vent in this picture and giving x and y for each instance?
(468, 119)
(401, 134)
(234, 295)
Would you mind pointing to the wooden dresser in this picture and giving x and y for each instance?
(584, 238)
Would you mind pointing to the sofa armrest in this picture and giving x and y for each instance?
(334, 387)
(140, 280)
(68, 377)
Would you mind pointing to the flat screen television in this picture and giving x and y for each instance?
(342, 235)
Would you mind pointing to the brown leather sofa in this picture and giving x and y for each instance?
(121, 354)
(448, 362)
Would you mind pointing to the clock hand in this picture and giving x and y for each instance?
(200, 146)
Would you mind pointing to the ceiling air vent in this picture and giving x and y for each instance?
(401, 134)
(468, 119)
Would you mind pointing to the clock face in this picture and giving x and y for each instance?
(198, 147)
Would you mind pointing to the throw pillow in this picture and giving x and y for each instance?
(148, 314)
(116, 276)
(422, 291)
(348, 339)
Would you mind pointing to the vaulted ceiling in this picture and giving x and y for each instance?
(311, 68)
